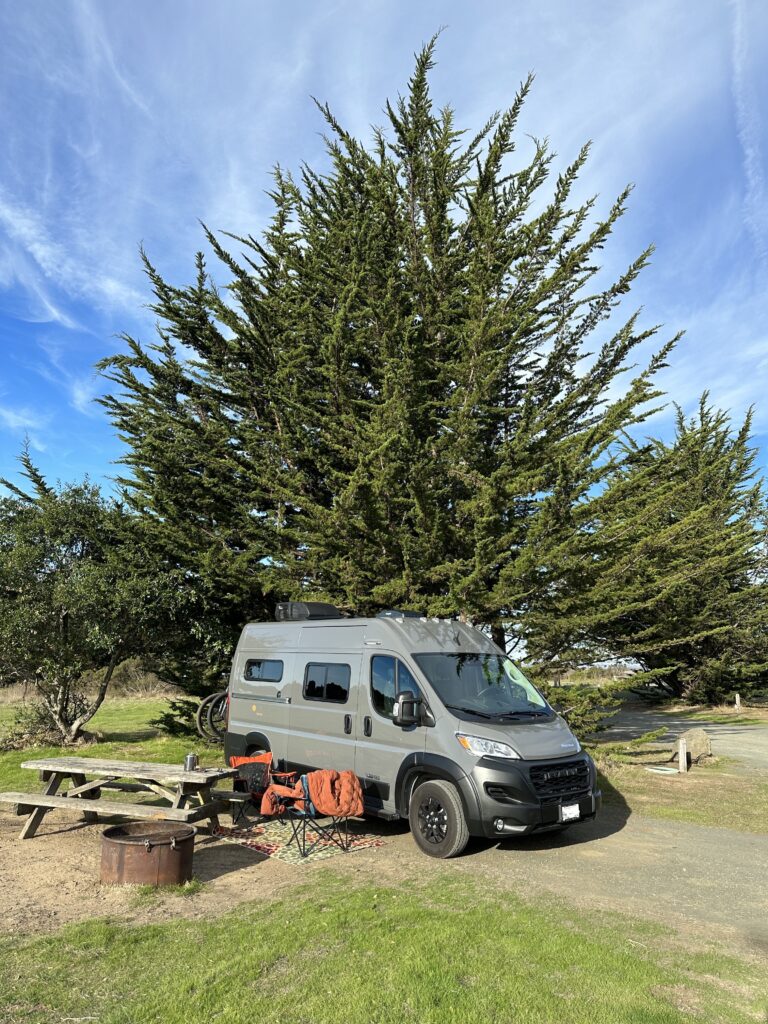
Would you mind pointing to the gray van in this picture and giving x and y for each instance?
(439, 725)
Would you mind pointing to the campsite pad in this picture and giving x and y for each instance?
(270, 839)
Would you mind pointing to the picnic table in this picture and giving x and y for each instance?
(187, 795)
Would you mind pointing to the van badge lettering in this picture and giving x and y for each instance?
(374, 778)
(559, 773)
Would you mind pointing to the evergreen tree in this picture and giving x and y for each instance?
(673, 557)
(406, 389)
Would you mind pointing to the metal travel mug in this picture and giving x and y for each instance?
(190, 762)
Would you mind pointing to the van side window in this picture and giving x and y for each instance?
(327, 682)
(263, 671)
(389, 676)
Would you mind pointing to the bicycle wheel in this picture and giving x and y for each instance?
(201, 717)
(216, 718)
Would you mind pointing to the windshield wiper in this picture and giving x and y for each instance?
(522, 714)
(469, 711)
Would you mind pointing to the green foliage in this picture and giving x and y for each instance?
(177, 718)
(673, 556)
(78, 594)
(587, 709)
(405, 390)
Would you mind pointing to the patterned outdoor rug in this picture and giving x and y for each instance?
(270, 839)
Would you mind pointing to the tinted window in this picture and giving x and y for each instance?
(327, 682)
(264, 671)
(389, 676)
(383, 684)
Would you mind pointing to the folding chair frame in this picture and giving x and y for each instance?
(301, 822)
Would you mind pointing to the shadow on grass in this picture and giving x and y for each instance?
(134, 736)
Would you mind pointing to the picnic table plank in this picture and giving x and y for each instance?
(109, 808)
(129, 769)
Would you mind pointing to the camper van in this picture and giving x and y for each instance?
(440, 726)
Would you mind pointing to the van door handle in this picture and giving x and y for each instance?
(367, 725)
(347, 723)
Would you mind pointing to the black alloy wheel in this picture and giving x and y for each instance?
(433, 820)
(437, 820)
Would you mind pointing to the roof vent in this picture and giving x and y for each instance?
(296, 611)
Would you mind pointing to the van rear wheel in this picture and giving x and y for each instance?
(437, 819)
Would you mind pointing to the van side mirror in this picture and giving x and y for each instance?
(406, 709)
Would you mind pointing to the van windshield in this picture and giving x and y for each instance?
(487, 685)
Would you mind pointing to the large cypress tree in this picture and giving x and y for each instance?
(407, 389)
(674, 560)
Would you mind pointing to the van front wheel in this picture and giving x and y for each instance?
(437, 819)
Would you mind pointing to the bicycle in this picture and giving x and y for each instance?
(211, 717)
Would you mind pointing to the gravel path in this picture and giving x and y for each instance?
(746, 743)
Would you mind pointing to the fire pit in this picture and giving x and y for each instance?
(147, 853)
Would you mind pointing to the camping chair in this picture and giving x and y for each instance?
(324, 816)
(254, 776)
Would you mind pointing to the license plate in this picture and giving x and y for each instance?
(569, 812)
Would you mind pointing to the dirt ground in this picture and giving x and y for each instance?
(709, 883)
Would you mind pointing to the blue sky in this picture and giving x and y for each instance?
(127, 123)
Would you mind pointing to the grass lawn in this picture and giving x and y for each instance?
(723, 715)
(335, 955)
(710, 795)
(124, 724)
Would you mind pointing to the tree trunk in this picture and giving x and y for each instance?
(499, 636)
(77, 726)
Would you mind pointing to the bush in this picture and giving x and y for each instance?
(179, 719)
(32, 725)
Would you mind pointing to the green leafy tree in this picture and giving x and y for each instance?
(405, 390)
(673, 556)
(78, 595)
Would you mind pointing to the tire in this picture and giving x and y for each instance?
(216, 717)
(201, 718)
(437, 820)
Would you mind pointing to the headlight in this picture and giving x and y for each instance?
(486, 748)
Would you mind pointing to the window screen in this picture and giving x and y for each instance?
(327, 682)
(264, 671)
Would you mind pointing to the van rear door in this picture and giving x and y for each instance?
(259, 698)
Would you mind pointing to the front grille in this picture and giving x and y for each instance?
(564, 778)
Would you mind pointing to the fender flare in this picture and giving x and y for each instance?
(435, 766)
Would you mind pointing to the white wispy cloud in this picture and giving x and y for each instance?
(63, 370)
(750, 132)
(76, 277)
(26, 423)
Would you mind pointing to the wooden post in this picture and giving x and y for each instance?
(738, 702)
(682, 755)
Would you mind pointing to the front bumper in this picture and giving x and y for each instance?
(527, 796)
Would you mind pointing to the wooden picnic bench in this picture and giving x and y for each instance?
(187, 795)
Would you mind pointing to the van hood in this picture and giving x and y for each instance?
(532, 740)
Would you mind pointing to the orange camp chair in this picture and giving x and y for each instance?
(321, 804)
(254, 776)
